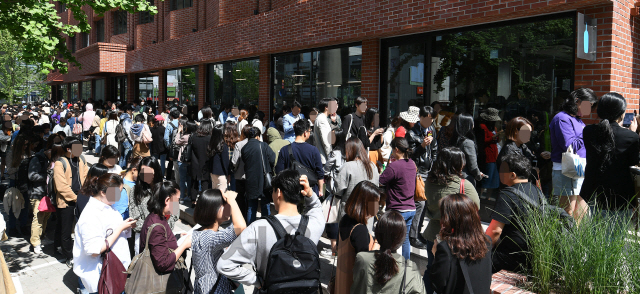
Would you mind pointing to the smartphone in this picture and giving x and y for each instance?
(627, 119)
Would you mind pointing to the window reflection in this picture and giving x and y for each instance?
(148, 86)
(234, 83)
(182, 86)
(98, 91)
(406, 77)
(310, 76)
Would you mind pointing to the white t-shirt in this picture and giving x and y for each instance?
(91, 232)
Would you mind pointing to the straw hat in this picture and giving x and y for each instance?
(491, 114)
(412, 115)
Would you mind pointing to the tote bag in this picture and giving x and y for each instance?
(572, 164)
(330, 208)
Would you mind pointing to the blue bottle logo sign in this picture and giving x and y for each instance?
(586, 38)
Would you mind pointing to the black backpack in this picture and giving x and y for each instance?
(294, 264)
(22, 178)
(302, 169)
(174, 149)
(44, 162)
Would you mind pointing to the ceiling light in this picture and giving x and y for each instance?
(354, 82)
(241, 79)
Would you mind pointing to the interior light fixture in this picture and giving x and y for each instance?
(241, 79)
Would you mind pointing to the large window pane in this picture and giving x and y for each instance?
(98, 91)
(234, 83)
(182, 86)
(522, 70)
(74, 92)
(310, 76)
(148, 86)
(406, 77)
(100, 30)
(85, 94)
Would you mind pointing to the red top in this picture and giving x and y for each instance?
(490, 149)
(400, 132)
(163, 260)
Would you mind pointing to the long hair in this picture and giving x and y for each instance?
(463, 130)
(231, 136)
(583, 94)
(216, 143)
(161, 191)
(355, 150)
(95, 171)
(610, 108)
(142, 189)
(390, 232)
(460, 227)
(362, 200)
(449, 163)
(243, 115)
(21, 148)
(341, 140)
(369, 118)
(204, 129)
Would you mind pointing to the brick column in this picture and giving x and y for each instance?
(370, 71)
(132, 85)
(202, 85)
(162, 88)
(264, 98)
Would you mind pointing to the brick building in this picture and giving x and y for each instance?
(518, 55)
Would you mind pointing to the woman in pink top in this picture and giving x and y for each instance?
(87, 120)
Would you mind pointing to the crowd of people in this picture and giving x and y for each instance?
(367, 188)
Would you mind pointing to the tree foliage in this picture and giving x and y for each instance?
(35, 24)
(17, 78)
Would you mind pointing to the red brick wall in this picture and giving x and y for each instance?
(235, 10)
(179, 22)
(146, 34)
(212, 13)
(275, 4)
(370, 71)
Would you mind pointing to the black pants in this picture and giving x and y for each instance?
(416, 225)
(241, 188)
(206, 184)
(168, 174)
(64, 227)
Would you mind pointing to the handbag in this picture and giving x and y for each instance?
(572, 164)
(77, 128)
(113, 275)
(46, 205)
(302, 169)
(268, 177)
(330, 209)
(144, 279)
(419, 193)
(145, 137)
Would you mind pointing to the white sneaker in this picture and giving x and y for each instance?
(37, 249)
(326, 253)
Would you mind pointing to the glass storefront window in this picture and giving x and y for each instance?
(148, 86)
(233, 83)
(522, 69)
(85, 94)
(98, 91)
(119, 89)
(182, 86)
(310, 76)
(74, 92)
(64, 92)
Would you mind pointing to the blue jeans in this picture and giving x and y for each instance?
(185, 180)
(408, 219)
(253, 208)
(426, 278)
(163, 159)
(97, 148)
(124, 155)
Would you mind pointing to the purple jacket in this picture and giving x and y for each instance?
(566, 130)
(399, 178)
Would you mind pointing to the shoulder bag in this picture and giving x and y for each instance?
(186, 152)
(302, 169)
(573, 165)
(113, 275)
(77, 128)
(419, 193)
(267, 174)
(144, 279)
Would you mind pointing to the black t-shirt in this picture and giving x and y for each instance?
(509, 210)
(359, 237)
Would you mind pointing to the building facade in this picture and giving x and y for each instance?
(517, 55)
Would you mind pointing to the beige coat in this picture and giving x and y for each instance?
(62, 180)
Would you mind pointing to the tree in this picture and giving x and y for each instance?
(36, 26)
(17, 78)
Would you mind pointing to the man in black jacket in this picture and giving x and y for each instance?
(425, 149)
(254, 154)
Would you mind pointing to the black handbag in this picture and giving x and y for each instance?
(186, 152)
(302, 169)
(267, 173)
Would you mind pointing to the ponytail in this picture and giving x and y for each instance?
(604, 143)
(385, 267)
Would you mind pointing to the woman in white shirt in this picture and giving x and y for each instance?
(109, 129)
(109, 156)
(99, 222)
(62, 127)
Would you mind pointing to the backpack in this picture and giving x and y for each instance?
(174, 149)
(293, 265)
(22, 178)
(545, 208)
(49, 189)
(121, 135)
(302, 169)
(64, 162)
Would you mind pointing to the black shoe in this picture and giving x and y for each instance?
(69, 262)
(417, 244)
